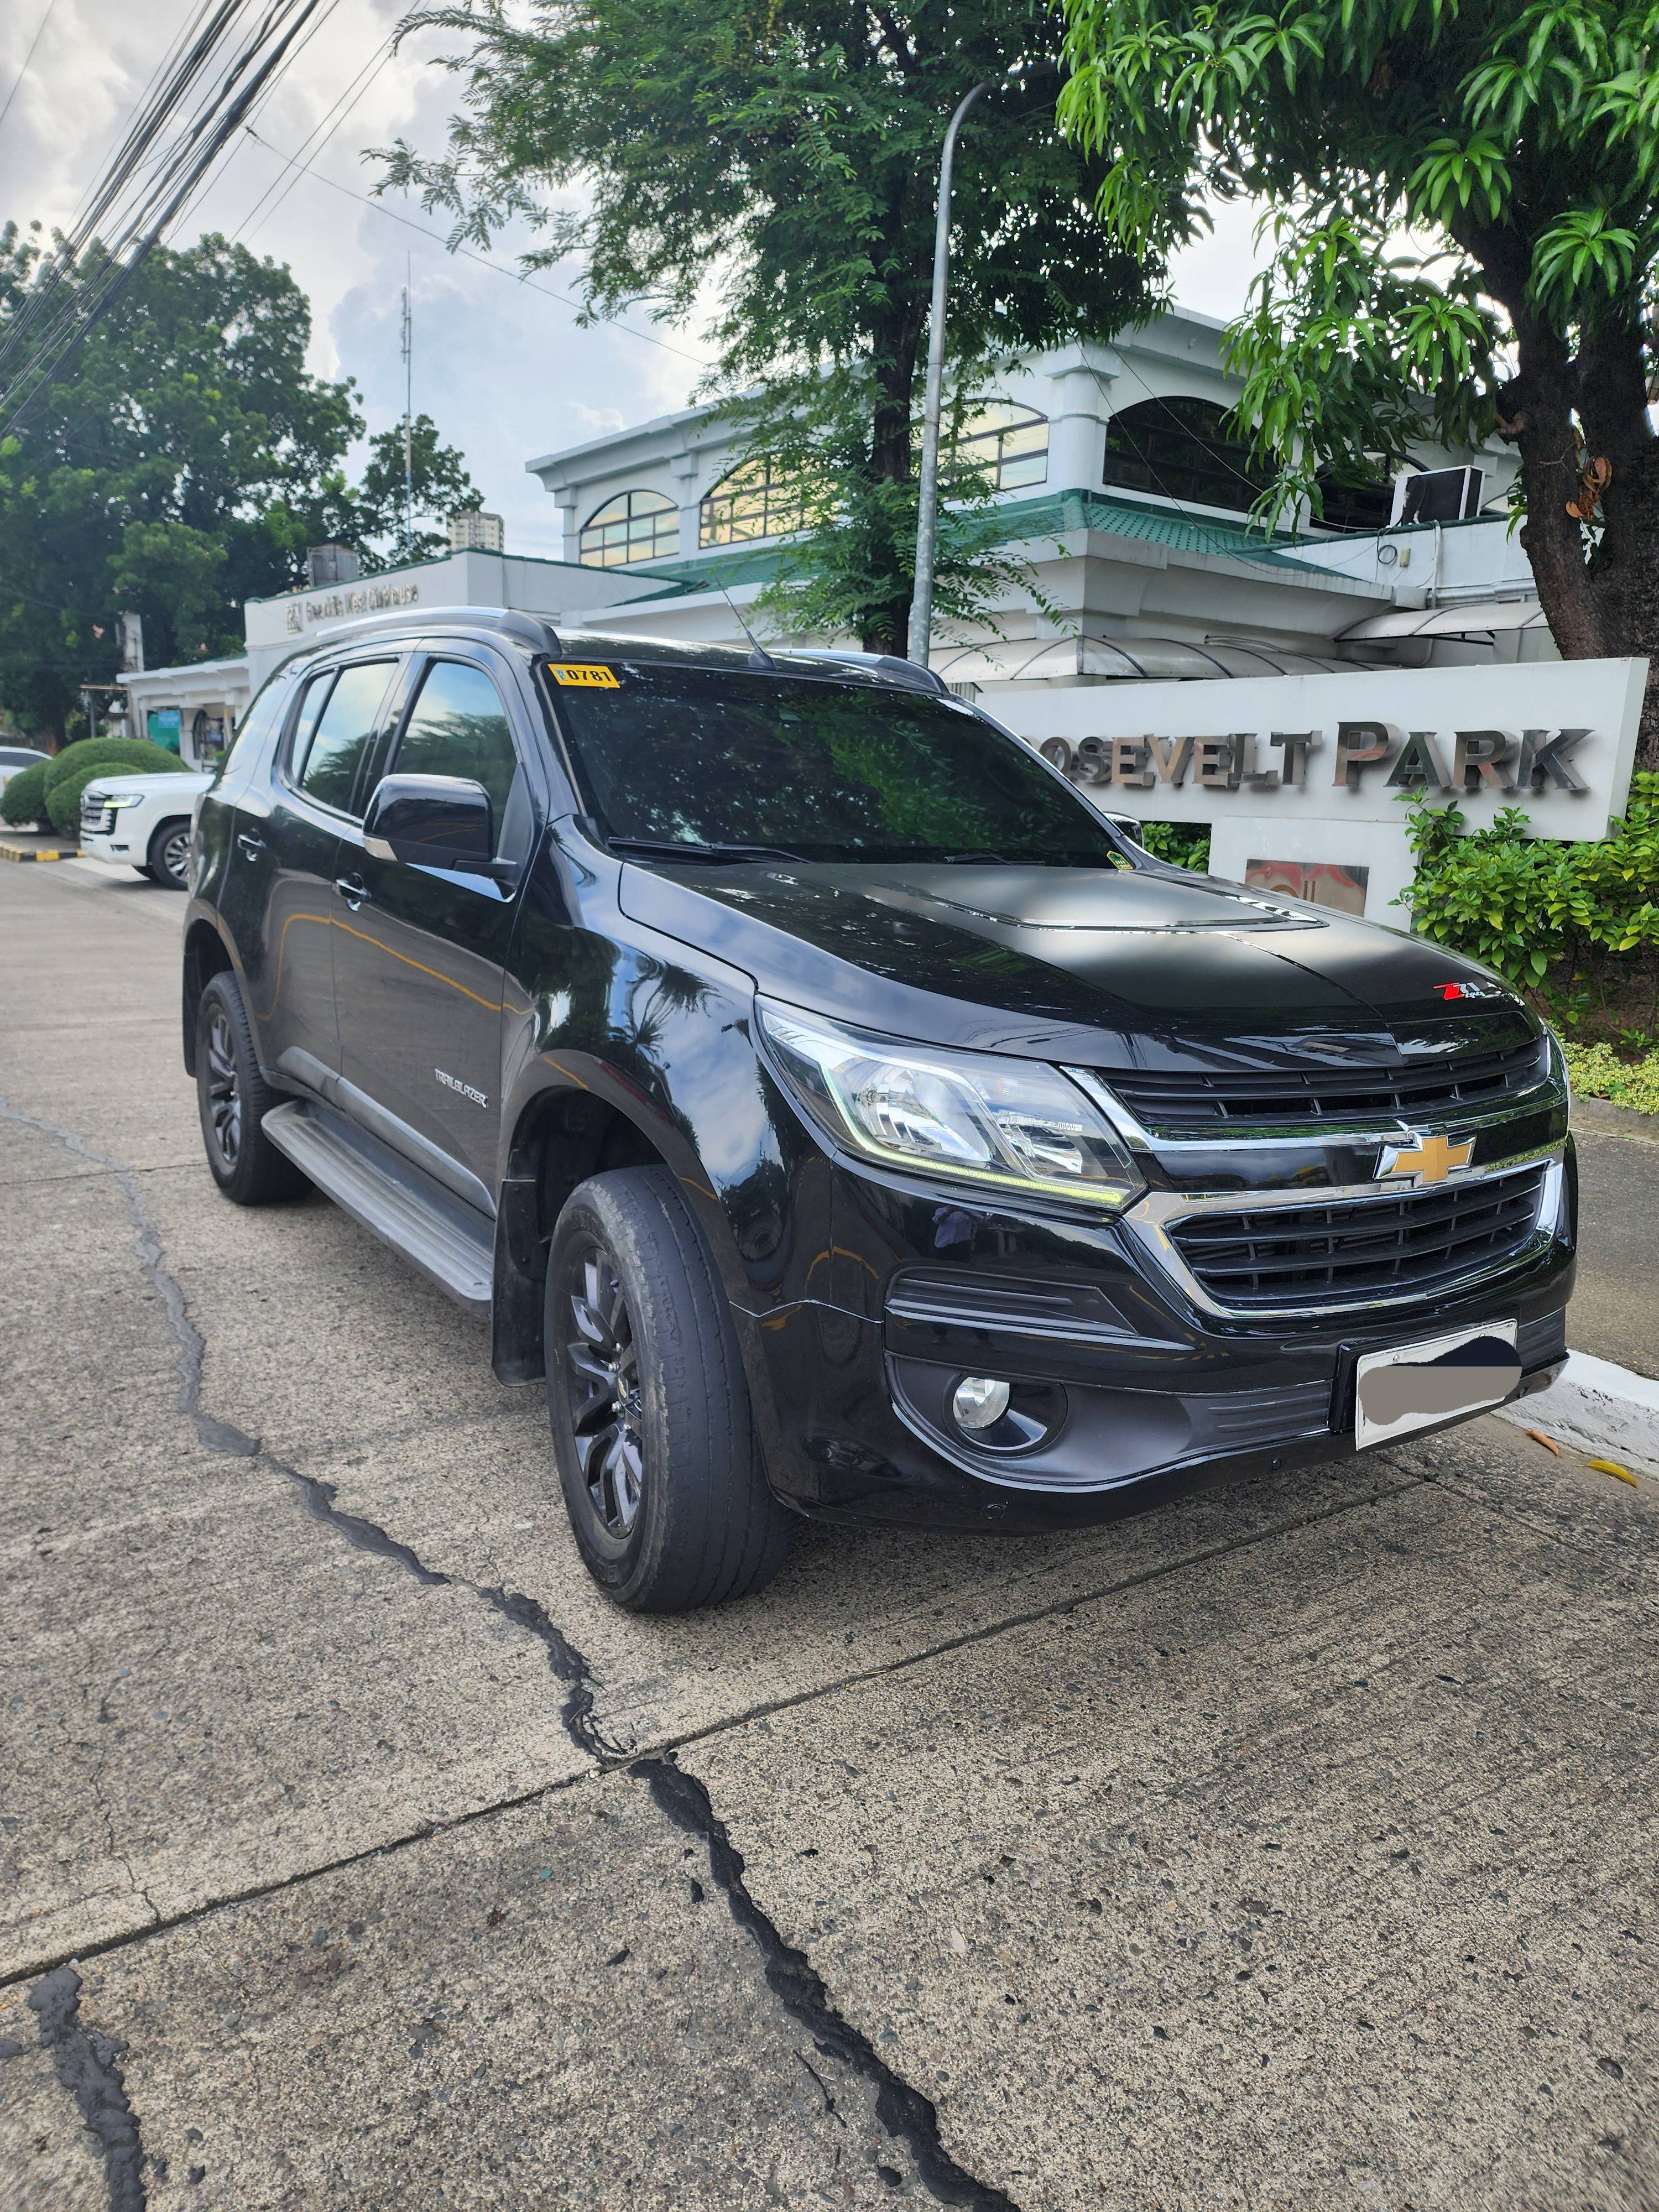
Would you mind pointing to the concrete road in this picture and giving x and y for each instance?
(1291, 1847)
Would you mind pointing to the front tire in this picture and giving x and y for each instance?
(233, 1098)
(652, 1431)
(167, 860)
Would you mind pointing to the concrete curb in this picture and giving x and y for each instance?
(40, 852)
(1597, 1407)
(1602, 1116)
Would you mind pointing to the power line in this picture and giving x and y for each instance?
(28, 59)
(218, 75)
(527, 282)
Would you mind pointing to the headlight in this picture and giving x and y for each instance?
(104, 799)
(970, 1117)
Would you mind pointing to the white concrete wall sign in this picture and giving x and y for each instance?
(1313, 770)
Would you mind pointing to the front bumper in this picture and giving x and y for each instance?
(1148, 1389)
(115, 850)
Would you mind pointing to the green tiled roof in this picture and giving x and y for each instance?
(1053, 515)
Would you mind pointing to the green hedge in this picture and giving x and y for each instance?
(1598, 1072)
(1186, 843)
(63, 798)
(1576, 923)
(136, 753)
(24, 799)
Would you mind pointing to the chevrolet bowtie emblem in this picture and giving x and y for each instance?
(1425, 1159)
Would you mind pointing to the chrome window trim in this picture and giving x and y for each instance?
(1152, 1217)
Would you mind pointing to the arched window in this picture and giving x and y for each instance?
(1181, 449)
(756, 500)
(1010, 443)
(635, 526)
(1365, 506)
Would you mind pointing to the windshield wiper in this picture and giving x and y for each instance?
(677, 848)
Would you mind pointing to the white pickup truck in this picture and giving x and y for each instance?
(142, 822)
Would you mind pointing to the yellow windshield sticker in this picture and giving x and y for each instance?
(584, 674)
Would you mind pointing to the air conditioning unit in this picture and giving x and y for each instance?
(1437, 495)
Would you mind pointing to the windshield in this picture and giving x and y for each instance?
(819, 771)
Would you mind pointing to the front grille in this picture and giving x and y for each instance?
(1299, 1257)
(97, 818)
(1199, 1102)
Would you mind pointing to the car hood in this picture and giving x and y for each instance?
(1101, 967)
(181, 780)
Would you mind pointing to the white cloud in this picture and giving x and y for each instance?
(502, 367)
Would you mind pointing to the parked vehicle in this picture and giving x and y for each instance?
(14, 759)
(142, 821)
(841, 1115)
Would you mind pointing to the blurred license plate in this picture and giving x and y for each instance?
(1416, 1385)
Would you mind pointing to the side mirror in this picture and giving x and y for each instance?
(432, 822)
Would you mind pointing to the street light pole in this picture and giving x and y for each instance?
(921, 601)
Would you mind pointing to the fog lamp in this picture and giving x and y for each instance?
(980, 1402)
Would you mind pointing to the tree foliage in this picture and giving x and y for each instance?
(1465, 220)
(1538, 908)
(783, 155)
(181, 461)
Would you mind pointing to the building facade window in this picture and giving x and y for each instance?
(1180, 449)
(756, 500)
(1010, 443)
(634, 526)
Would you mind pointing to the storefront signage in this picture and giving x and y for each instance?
(1304, 781)
(333, 606)
(1505, 760)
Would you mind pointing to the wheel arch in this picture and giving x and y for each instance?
(206, 955)
(562, 1134)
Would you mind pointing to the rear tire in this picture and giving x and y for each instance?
(652, 1431)
(167, 861)
(233, 1097)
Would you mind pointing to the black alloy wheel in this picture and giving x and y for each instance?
(169, 856)
(603, 1363)
(652, 1437)
(232, 1099)
(223, 1091)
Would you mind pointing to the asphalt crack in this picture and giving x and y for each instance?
(86, 2063)
(87, 2066)
(217, 1435)
(796, 1983)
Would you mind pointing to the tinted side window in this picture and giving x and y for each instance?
(459, 727)
(327, 756)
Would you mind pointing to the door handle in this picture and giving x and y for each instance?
(251, 843)
(353, 889)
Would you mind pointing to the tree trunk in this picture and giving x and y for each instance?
(1604, 602)
(886, 627)
(1624, 569)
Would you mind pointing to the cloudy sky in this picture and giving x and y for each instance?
(503, 369)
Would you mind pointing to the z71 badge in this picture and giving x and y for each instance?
(1469, 991)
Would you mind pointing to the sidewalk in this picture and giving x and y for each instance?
(35, 845)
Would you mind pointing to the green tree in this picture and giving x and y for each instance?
(442, 488)
(1465, 218)
(178, 461)
(786, 153)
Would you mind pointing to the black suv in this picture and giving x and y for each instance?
(844, 1117)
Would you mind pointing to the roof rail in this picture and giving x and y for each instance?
(534, 630)
(908, 675)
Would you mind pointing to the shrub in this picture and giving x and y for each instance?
(1565, 920)
(1598, 1072)
(63, 800)
(1186, 844)
(137, 753)
(24, 799)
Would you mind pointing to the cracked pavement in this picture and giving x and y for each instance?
(1290, 1847)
